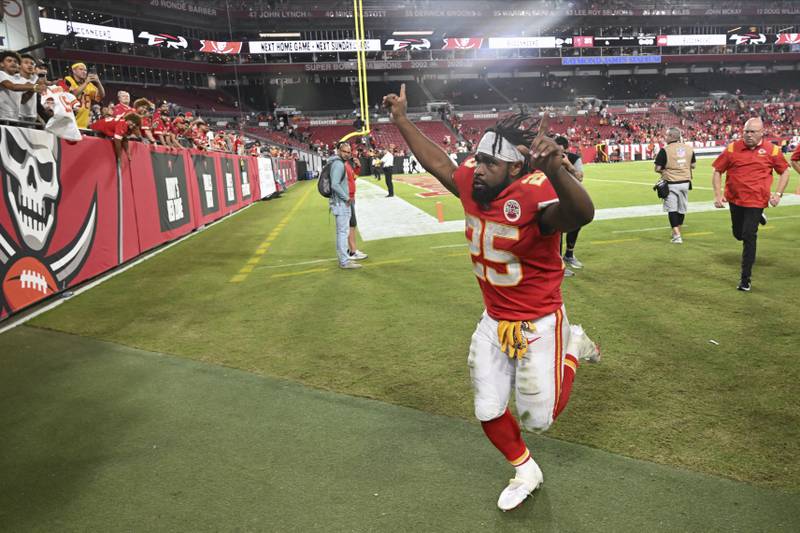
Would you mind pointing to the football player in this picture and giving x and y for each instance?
(518, 197)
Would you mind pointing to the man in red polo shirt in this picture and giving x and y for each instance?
(749, 163)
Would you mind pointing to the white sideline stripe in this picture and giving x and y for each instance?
(105, 277)
(385, 218)
(640, 183)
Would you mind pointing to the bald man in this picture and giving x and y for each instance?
(675, 163)
(749, 163)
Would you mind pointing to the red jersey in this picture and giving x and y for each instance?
(111, 127)
(158, 126)
(749, 172)
(146, 123)
(796, 153)
(519, 269)
(351, 179)
(121, 109)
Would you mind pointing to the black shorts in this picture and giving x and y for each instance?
(353, 214)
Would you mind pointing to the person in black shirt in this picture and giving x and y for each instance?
(573, 163)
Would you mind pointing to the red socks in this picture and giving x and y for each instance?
(505, 435)
(570, 367)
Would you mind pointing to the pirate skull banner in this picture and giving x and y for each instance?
(58, 217)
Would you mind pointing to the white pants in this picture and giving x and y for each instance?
(536, 378)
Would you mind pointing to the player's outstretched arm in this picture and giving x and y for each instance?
(428, 153)
(574, 208)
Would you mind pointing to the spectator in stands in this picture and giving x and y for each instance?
(352, 168)
(41, 74)
(11, 85)
(749, 163)
(97, 113)
(86, 87)
(198, 133)
(142, 108)
(675, 163)
(162, 127)
(387, 162)
(339, 202)
(27, 74)
(573, 164)
(122, 107)
(119, 129)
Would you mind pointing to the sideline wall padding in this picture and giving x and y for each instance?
(70, 213)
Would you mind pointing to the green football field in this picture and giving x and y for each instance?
(231, 385)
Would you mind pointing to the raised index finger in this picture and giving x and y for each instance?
(403, 91)
(543, 125)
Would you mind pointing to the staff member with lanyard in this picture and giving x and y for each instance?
(675, 163)
(749, 163)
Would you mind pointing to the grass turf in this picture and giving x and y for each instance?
(398, 330)
(102, 437)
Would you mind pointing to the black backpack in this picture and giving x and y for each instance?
(324, 181)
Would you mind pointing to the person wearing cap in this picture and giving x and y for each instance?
(675, 162)
(86, 87)
(518, 198)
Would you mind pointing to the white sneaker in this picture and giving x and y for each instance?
(581, 346)
(677, 239)
(350, 264)
(358, 255)
(519, 489)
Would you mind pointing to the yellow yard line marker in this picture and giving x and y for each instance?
(301, 273)
(387, 262)
(461, 254)
(696, 233)
(262, 248)
(614, 241)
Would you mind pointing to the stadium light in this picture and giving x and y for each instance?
(406, 33)
(295, 34)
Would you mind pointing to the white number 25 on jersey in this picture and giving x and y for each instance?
(481, 245)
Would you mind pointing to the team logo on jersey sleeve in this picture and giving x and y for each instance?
(512, 210)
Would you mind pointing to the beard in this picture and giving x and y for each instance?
(484, 195)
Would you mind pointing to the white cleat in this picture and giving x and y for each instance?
(581, 346)
(519, 489)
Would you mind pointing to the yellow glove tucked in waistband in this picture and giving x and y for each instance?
(513, 341)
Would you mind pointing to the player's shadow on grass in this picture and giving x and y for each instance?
(63, 425)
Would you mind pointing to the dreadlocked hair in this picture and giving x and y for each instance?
(514, 130)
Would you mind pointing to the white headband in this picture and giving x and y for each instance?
(507, 152)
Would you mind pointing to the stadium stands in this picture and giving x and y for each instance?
(188, 98)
